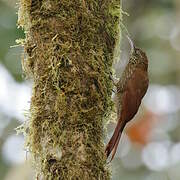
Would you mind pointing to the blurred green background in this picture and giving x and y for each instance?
(150, 146)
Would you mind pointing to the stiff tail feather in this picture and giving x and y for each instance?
(114, 141)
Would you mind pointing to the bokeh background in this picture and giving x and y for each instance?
(150, 145)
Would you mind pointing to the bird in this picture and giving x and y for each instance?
(130, 89)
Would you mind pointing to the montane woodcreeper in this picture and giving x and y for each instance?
(131, 88)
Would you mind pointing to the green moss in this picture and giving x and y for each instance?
(69, 50)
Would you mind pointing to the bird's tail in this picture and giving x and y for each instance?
(114, 141)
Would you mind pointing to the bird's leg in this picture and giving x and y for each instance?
(114, 80)
(114, 83)
(114, 91)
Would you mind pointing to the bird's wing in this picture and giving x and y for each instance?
(130, 97)
(135, 90)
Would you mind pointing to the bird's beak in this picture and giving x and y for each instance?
(131, 44)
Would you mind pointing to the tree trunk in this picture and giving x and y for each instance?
(69, 49)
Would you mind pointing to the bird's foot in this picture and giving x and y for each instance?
(114, 80)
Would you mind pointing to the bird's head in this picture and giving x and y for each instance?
(137, 54)
(140, 55)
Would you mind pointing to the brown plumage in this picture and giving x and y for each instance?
(131, 88)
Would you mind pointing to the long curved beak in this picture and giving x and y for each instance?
(131, 44)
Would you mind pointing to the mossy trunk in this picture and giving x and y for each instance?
(69, 49)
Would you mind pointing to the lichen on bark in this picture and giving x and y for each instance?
(69, 49)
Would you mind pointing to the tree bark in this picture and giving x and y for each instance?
(69, 51)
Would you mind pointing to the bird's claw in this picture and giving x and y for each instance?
(114, 80)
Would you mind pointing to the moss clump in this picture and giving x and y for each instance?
(69, 50)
